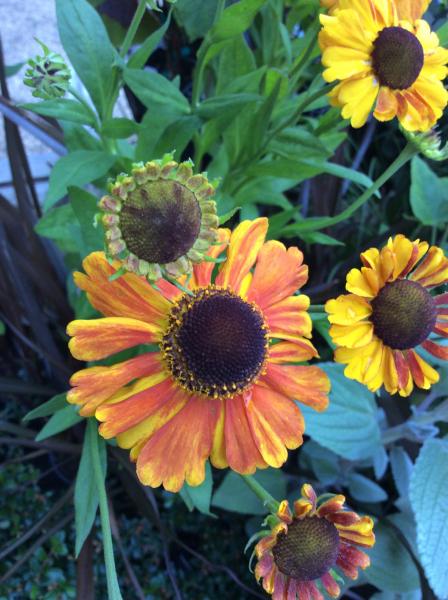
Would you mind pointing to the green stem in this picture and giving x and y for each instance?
(266, 498)
(113, 588)
(313, 224)
(133, 27)
(316, 308)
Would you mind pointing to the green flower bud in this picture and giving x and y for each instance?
(428, 143)
(48, 75)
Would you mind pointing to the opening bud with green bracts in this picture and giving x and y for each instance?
(428, 143)
(48, 75)
(159, 219)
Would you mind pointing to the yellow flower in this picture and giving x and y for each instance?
(386, 59)
(307, 544)
(388, 313)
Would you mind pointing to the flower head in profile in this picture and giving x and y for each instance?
(303, 550)
(217, 378)
(386, 58)
(159, 219)
(388, 313)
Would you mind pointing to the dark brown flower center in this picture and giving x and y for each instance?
(404, 313)
(397, 58)
(160, 221)
(308, 550)
(216, 343)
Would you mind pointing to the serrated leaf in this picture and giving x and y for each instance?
(47, 408)
(77, 168)
(234, 495)
(348, 427)
(429, 500)
(199, 496)
(88, 47)
(86, 493)
(429, 194)
(61, 420)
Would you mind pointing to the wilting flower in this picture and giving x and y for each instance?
(215, 383)
(307, 544)
(388, 313)
(48, 75)
(160, 219)
(384, 54)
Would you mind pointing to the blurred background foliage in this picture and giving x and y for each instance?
(237, 87)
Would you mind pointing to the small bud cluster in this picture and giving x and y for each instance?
(48, 75)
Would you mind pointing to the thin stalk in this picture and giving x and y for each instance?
(133, 27)
(316, 308)
(265, 497)
(113, 588)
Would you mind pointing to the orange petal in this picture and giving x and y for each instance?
(353, 555)
(302, 508)
(265, 544)
(98, 338)
(308, 492)
(202, 272)
(331, 505)
(403, 370)
(288, 319)
(411, 10)
(264, 566)
(290, 352)
(177, 452)
(436, 349)
(278, 274)
(276, 424)
(284, 512)
(330, 585)
(243, 455)
(218, 456)
(309, 385)
(128, 296)
(360, 533)
(245, 243)
(386, 105)
(93, 386)
(119, 417)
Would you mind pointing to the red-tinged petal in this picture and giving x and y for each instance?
(99, 338)
(278, 274)
(119, 417)
(202, 272)
(308, 493)
(330, 585)
(431, 264)
(265, 544)
(343, 517)
(359, 533)
(292, 589)
(127, 296)
(168, 290)
(243, 455)
(303, 591)
(292, 352)
(288, 319)
(403, 370)
(177, 452)
(302, 508)
(309, 385)
(441, 329)
(218, 456)
(312, 590)
(245, 243)
(284, 512)
(93, 386)
(268, 580)
(353, 555)
(276, 424)
(331, 505)
(436, 350)
(442, 299)
(280, 583)
(347, 568)
(264, 566)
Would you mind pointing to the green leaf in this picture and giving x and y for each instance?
(391, 567)
(429, 500)
(119, 128)
(228, 215)
(62, 108)
(221, 105)
(235, 60)
(177, 136)
(11, 70)
(317, 237)
(199, 496)
(235, 20)
(60, 224)
(195, 16)
(85, 208)
(60, 421)
(139, 58)
(429, 194)
(233, 494)
(348, 426)
(77, 168)
(86, 492)
(364, 490)
(47, 408)
(156, 92)
(2, 328)
(88, 47)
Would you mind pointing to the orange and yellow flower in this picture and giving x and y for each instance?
(384, 56)
(219, 380)
(388, 313)
(308, 544)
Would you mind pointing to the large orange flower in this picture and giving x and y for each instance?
(217, 381)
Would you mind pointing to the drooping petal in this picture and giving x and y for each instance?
(276, 424)
(279, 272)
(98, 338)
(127, 296)
(280, 586)
(288, 319)
(360, 533)
(177, 451)
(422, 373)
(330, 585)
(436, 349)
(245, 243)
(309, 385)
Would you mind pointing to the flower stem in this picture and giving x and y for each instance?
(316, 308)
(113, 588)
(265, 497)
(133, 27)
